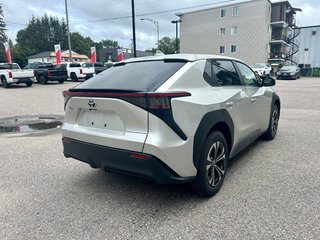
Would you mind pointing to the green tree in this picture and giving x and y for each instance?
(3, 36)
(166, 45)
(40, 35)
(81, 44)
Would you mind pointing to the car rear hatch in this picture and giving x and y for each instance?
(112, 108)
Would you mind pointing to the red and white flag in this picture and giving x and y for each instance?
(93, 54)
(57, 50)
(120, 55)
(8, 54)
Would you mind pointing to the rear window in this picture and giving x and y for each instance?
(87, 65)
(9, 66)
(75, 65)
(98, 65)
(144, 76)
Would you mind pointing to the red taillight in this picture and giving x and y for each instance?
(80, 70)
(159, 104)
(10, 74)
(163, 100)
(49, 73)
(139, 155)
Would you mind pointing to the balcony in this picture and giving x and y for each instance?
(279, 24)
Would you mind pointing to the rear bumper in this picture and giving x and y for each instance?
(57, 78)
(118, 160)
(22, 80)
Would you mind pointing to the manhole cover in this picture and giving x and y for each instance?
(25, 124)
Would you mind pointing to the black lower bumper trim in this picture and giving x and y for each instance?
(123, 161)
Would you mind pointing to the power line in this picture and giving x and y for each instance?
(150, 13)
(129, 16)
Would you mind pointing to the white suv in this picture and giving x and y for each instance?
(171, 119)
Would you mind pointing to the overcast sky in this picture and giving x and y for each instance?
(114, 17)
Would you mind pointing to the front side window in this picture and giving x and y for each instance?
(248, 76)
(235, 11)
(233, 48)
(234, 30)
(223, 13)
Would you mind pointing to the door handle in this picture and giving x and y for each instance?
(229, 104)
(253, 100)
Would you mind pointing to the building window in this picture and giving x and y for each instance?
(222, 31)
(234, 30)
(233, 48)
(235, 11)
(222, 49)
(314, 32)
(223, 13)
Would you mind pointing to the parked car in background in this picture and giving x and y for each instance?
(289, 72)
(262, 69)
(108, 64)
(170, 118)
(74, 70)
(88, 70)
(91, 69)
(45, 72)
(11, 73)
(99, 67)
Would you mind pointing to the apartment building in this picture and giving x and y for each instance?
(309, 39)
(252, 30)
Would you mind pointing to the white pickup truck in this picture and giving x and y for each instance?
(88, 70)
(75, 71)
(11, 73)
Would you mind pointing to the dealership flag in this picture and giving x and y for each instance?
(57, 50)
(120, 55)
(7, 48)
(93, 54)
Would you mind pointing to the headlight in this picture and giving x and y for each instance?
(292, 73)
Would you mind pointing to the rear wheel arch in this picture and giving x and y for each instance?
(225, 130)
(218, 120)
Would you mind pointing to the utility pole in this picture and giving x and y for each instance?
(68, 30)
(133, 30)
(176, 22)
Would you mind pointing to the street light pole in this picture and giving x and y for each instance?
(176, 22)
(68, 31)
(157, 26)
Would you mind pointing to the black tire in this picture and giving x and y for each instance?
(74, 77)
(29, 84)
(210, 175)
(42, 80)
(273, 123)
(61, 81)
(4, 82)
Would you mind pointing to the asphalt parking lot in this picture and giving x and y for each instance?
(272, 190)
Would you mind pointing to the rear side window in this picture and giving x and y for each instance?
(225, 73)
(144, 76)
(220, 73)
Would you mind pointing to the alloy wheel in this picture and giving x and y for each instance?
(275, 120)
(216, 164)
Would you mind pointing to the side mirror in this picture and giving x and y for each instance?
(268, 81)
